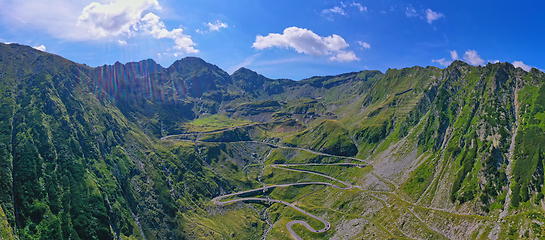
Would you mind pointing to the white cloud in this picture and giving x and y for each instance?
(216, 26)
(305, 41)
(152, 25)
(213, 27)
(432, 16)
(336, 9)
(443, 62)
(454, 55)
(55, 17)
(115, 18)
(342, 10)
(41, 48)
(107, 20)
(520, 64)
(343, 56)
(364, 45)
(473, 58)
(411, 12)
(359, 6)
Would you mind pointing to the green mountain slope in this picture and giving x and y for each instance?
(138, 151)
(329, 137)
(75, 165)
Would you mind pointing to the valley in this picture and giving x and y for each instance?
(260, 196)
(139, 151)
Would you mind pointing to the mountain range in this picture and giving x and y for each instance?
(138, 151)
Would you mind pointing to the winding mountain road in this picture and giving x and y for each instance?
(168, 138)
(289, 225)
(310, 151)
(322, 164)
(348, 186)
(211, 131)
(327, 225)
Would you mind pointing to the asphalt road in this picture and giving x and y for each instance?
(310, 151)
(165, 138)
(327, 225)
(212, 131)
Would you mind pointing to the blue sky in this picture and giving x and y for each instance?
(282, 39)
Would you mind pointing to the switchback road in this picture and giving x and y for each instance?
(327, 225)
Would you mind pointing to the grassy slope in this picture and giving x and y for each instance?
(104, 174)
(329, 136)
(5, 228)
(475, 105)
(98, 173)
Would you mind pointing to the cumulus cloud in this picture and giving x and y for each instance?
(364, 45)
(432, 16)
(109, 20)
(520, 64)
(307, 42)
(454, 55)
(124, 17)
(56, 17)
(115, 18)
(151, 24)
(343, 56)
(41, 48)
(473, 58)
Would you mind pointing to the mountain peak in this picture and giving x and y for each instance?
(189, 60)
(190, 64)
(459, 63)
(244, 71)
(445, 132)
